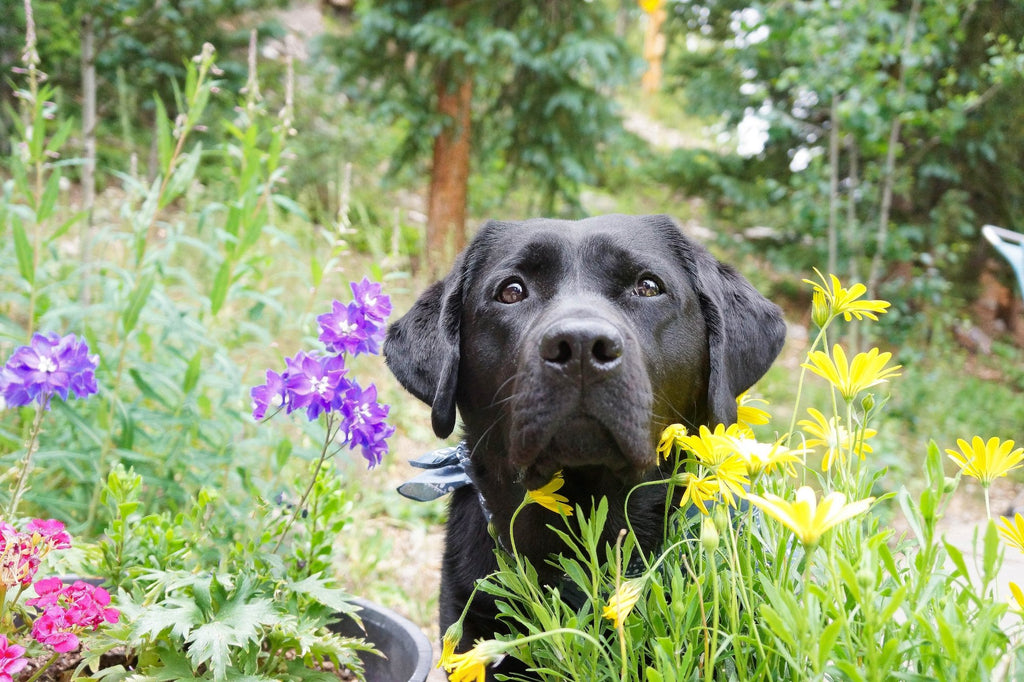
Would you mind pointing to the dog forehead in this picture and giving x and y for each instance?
(547, 243)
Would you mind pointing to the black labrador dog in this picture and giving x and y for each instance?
(568, 346)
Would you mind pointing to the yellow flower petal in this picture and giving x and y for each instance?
(1018, 596)
(850, 378)
(471, 666)
(748, 415)
(986, 460)
(622, 601)
(547, 498)
(805, 516)
(833, 299)
(1012, 531)
(831, 435)
(670, 437)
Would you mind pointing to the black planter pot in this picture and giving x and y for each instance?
(407, 651)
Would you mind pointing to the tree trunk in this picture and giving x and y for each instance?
(449, 177)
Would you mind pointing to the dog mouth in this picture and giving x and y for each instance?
(584, 443)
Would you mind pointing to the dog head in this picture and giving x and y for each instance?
(571, 345)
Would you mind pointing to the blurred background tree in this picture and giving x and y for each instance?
(521, 88)
(140, 48)
(888, 130)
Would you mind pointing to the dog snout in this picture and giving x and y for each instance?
(585, 344)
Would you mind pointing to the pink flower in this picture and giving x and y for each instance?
(21, 551)
(11, 661)
(53, 629)
(49, 591)
(87, 605)
(51, 532)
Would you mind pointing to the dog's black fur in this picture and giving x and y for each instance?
(547, 338)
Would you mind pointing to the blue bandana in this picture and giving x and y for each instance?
(446, 471)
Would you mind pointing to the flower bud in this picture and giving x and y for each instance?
(949, 484)
(821, 311)
(720, 514)
(708, 535)
(867, 403)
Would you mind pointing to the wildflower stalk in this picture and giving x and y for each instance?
(194, 105)
(324, 456)
(819, 339)
(26, 463)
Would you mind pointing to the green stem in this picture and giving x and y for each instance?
(328, 439)
(43, 668)
(800, 382)
(26, 465)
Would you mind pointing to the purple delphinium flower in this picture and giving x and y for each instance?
(368, 296)
(49, 364)
(347, 329)
(365, 422)
(318, 383)
(271, 395)
(314, 383)
(359, 326)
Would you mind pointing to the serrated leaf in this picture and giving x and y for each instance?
(237, 623)
(176, 615)
(317, 588)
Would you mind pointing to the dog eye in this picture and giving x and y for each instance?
(511, 292)
(647, 287)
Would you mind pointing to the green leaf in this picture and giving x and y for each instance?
(192, 373)
(175, 615)
(164, 139)
(990, 563)
(145, 388)
(23, 251)
(136, 302)
(221, 283)
(317, 588)
(957, 557)
(49, 198)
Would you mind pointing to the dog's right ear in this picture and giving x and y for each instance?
(422, 348)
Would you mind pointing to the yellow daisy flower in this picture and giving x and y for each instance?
(986, 461)
(805, 516)
(834, 437)
(748, 415)
(866, 369)
(699, 490)
(669, 438)
(547, 498)
(843, 301)
(731, 478)
(622, 601)
(712, 447)
(1018, 595)
(1013, 531)
(762, 458)
(471, 666)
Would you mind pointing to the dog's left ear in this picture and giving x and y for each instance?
(745, 330)
(422, 348)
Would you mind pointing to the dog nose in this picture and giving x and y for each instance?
(583, 343)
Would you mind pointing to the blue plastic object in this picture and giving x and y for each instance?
(1011, 245)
